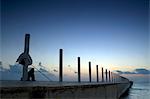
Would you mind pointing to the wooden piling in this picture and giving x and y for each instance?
(97, 73)
(109, 75)
(60, 65)
(89, 71)
(106, 74)
(102, 75)
(79, 78)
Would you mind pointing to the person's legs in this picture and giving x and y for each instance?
(33, 77)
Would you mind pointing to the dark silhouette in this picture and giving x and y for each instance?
(79, 78)
(109, 75)
(102, 75)
(106, 75)
(97, 73)
(25, 59)
(60, 65)
(90, 71)
(31, 75)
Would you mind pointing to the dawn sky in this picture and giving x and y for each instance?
(111, 33)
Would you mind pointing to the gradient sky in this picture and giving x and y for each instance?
(111, 33)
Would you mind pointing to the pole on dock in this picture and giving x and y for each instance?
(109, 75)
(90, 71)
(102, 75)
(60, 65)
(97, 73)
(114, 77)
(79, 80)
(106, 75)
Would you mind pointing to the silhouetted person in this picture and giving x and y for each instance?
(31, 75)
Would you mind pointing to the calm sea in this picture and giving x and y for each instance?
(140, 88)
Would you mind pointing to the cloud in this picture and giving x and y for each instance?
(41, 73)
(127, 72)
(136, 71)
(119, 72)
(142, 71)
(15, 73)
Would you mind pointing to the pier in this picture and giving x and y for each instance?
(108, 85)
(57, 90)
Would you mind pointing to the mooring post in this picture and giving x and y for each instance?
(79, 79)
(60, 65)
(102, 75)
(114, 76)
(90, 71)
(117, 77)
(109, 75)
(97, 73)
(106, 75)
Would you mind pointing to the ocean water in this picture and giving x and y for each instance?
(138, 91)
(140, 88)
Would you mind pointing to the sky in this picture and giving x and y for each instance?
(111, 33)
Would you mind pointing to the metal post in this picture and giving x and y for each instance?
(102, 75)
(109, 75)
(90, 71)
(106, 75)
(79, 80)
(97, 73)
(60, 65)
